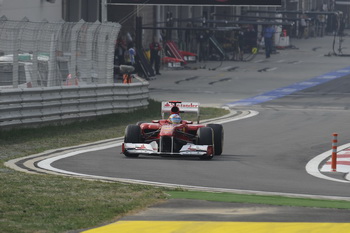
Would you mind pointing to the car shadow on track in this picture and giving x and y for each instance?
(217, 158)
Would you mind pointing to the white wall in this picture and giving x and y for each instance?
(34, 10)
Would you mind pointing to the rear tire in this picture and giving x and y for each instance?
(132, 135)
(205, 137)
(218, 138)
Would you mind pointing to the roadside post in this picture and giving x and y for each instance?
(334, 152)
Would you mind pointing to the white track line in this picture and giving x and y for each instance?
(46, 163)
(312, 167)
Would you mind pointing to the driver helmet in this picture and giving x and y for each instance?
(175, 119)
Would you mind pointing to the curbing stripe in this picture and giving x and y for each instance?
(222, 227)
(313, 166)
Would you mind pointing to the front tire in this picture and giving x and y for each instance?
(205, 137)
(132, 135)
(218, 138)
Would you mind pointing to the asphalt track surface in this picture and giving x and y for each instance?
(265, 153)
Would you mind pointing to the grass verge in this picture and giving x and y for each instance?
(259, 199)
(47, 203)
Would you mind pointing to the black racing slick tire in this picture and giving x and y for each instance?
(205, 137)
(218, 138)
(132, 135)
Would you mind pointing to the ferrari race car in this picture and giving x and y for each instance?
(174, 136)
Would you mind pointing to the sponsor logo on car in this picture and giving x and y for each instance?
(182, 105)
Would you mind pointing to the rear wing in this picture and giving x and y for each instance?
(176, 107)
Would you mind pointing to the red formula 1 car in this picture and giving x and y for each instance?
(174, 136)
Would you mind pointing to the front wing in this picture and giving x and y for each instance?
(152, 149)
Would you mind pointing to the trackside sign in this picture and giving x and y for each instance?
(183, 106)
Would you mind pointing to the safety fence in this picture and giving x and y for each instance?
(19, 107)
(48, 54)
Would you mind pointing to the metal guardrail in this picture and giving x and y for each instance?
(19, 107)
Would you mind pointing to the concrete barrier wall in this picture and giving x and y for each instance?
(19, 107)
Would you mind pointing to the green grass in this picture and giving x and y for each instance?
(45, 203)
(259, 199)
(21, 142)
(48, 203)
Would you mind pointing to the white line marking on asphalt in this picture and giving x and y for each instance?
(342, 162)
(343, 71)
(272, 69)
(251, 114)
(46, 163)
(347, 176)
(312, 167)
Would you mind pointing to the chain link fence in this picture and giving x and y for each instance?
(44, 54)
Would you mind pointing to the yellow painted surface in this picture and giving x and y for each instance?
(220, 227)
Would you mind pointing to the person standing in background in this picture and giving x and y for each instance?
(303, 26)
(241, 44)
(120, 50)
(132, 53)
(268, 34)
(155, 50)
